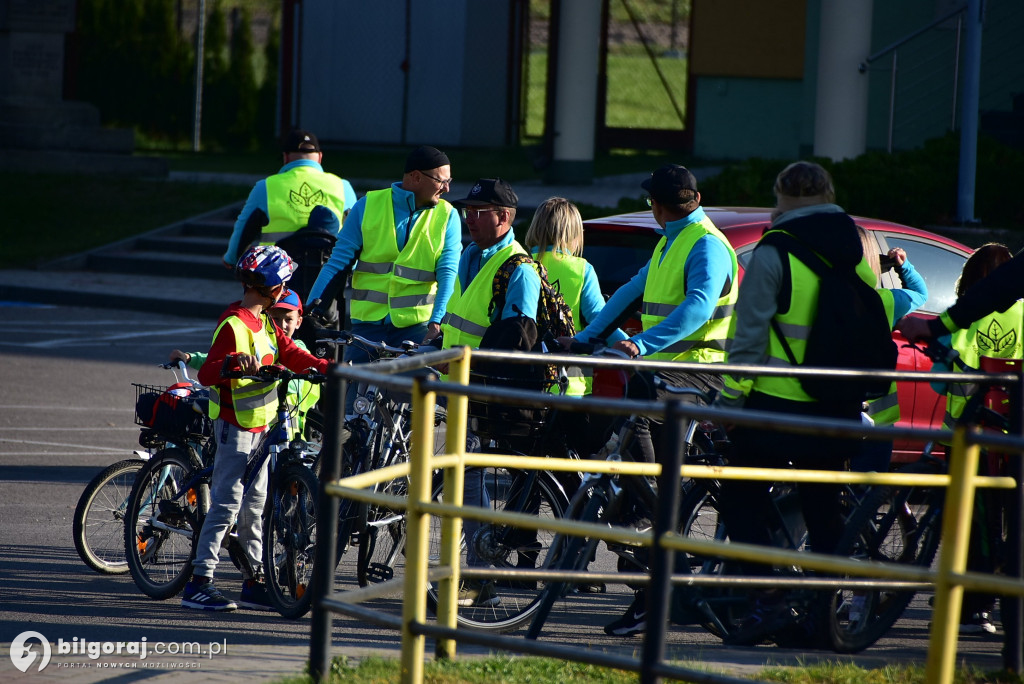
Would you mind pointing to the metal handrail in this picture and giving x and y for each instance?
(909, 37)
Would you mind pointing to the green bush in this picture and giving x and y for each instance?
(915, 187)
(138, 68)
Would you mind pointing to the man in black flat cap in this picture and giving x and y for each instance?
(281, 204)
(402, 245)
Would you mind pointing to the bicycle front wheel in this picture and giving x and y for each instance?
(504, 547)
(891, 524)
(289, 539)
(164, 515)
(98, 525)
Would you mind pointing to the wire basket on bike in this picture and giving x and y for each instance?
(172, 413)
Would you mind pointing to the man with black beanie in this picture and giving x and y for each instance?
(402, 245)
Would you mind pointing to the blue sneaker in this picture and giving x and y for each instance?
(254, 595)
(205, 596)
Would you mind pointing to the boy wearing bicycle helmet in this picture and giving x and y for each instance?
(245, 339)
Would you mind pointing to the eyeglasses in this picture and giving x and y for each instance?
(647, 198)
(443, 182)
(477, 213)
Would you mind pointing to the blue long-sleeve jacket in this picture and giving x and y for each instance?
(257, 200)
(707, 269)
(913, 294)
(350, 244)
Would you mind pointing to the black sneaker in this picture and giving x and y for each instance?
(634, 621)
(254, 595)
(769, 615)
(205, 596)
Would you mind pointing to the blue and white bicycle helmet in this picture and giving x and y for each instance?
(264, 266)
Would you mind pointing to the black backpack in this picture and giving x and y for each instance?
(554, 317)
(850, 330)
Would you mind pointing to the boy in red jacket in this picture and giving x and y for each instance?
(246, 338)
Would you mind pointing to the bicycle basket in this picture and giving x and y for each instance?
(171, 411)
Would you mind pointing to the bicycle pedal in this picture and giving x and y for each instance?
(378, 572)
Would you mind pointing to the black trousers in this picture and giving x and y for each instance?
(746, 506)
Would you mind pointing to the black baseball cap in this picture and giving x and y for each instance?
(425, 158)
(666, 185)
(298, 140)
(490, 191)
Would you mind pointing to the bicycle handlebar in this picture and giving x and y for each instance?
(345, 337)
(938, 352)
(274, 372)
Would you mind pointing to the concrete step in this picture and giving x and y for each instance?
(176, 296)
(158, 263)
(182, 244)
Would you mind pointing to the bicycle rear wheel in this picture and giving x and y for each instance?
(289, 539)
(98, 524)
(164, 515)
(891, 524)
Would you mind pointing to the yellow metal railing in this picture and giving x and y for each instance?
(950, 578)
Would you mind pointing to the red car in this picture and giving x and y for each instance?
(618, 246)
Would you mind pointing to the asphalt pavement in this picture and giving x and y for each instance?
(65, 374)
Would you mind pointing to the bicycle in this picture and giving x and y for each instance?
(170, 499)
(605, 498)
(98, 520)
(380, 436)
(903, 524)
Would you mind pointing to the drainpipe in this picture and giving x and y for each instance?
(969, 113)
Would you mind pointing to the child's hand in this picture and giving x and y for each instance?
(898, 255)
(178, 355)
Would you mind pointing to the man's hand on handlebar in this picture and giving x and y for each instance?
(626, 347)
(433, 332)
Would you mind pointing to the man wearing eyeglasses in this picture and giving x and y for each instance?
(489, 210)
(402, 245)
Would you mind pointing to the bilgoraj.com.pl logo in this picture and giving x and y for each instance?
(24, 650)
(28, 647)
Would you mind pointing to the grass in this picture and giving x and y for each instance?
(636, 94)
(531, 670)
(58, 215)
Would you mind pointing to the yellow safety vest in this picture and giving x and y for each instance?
(254, 402)
(466, 319)
(386, 281)
(796, 326)
(303, 395)
(997, 335)
(886, 410)
(565, 273)
(665, 290)
(292, 195)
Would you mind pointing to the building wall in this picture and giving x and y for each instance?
(356, 83)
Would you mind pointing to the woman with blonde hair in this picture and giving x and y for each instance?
(555, 239)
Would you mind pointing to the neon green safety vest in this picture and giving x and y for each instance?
(998, 336)
(565, 273)
(886, 410)
(796, 326)
(303, 395)
(386, 281)
(254, 402)
(466, 320)
(292, 195)
(665, 290)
